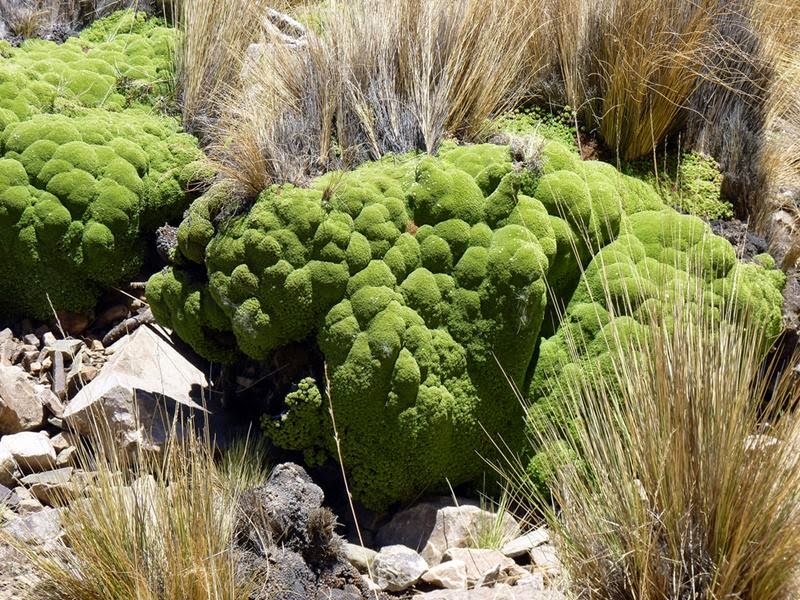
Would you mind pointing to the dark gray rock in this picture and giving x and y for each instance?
(287, 544)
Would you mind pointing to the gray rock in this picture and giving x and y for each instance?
(27, 503)
(411, 527)
(31, 451)
(459, 527)
(20, 406)
(8, 466)
(396, 568)
(451, 575)
(8, 498)
(138, 391)
(525, 543)
(479, 562)
(64, 440)
(359, 556)
(285, 538)
(53, 488)
(546, 558)
(282, 508)
(39, 528)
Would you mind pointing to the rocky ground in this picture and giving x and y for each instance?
(55, 380)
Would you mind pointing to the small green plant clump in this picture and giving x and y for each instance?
(689, 181)
(86, 165)
(553, 125)
(425, 282)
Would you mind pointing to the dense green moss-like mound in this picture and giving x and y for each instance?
(425, 283)
(86, 166)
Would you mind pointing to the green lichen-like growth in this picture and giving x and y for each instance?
(659, 256)
(425, 282)
(85, 172)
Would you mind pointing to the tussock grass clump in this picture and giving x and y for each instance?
(630, 67)
(371, 78)
(687, 478)
(152, 526)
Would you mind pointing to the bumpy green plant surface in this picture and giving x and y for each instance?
(424, 280)
(87, 166)
(626, 285)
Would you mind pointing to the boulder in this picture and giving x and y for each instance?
(451, 575)
(396, 568)
(20, 405)
(525, 543)
(480, 562)
(31, 451)
(460, 526)
(138, 391)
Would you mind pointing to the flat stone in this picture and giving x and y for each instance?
(32, 340)
(525, 543)
(359, 556)
(31, 451)
(397, 568)
(460, 526)
(451, 575)
(479, 562)
(138, 391)
(53, 488)
(20, 406)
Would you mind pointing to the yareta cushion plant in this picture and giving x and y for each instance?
(87, 165)
(425, 282)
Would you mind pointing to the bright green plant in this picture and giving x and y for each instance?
(424, 281)
(86, 168)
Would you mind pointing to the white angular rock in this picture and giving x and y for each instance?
(546, 558)
(32, 451)
(138, 391)
(8, 466)
(20, 405)
(450, 575)
(359, 556)
(480, 562)
(396, 568)
(525, 543)
(460, 527)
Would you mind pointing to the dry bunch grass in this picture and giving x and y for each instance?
(374, 77)
(29, 18)
(214, 38)
(688, 480)
(151, 526)
(629, 67)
